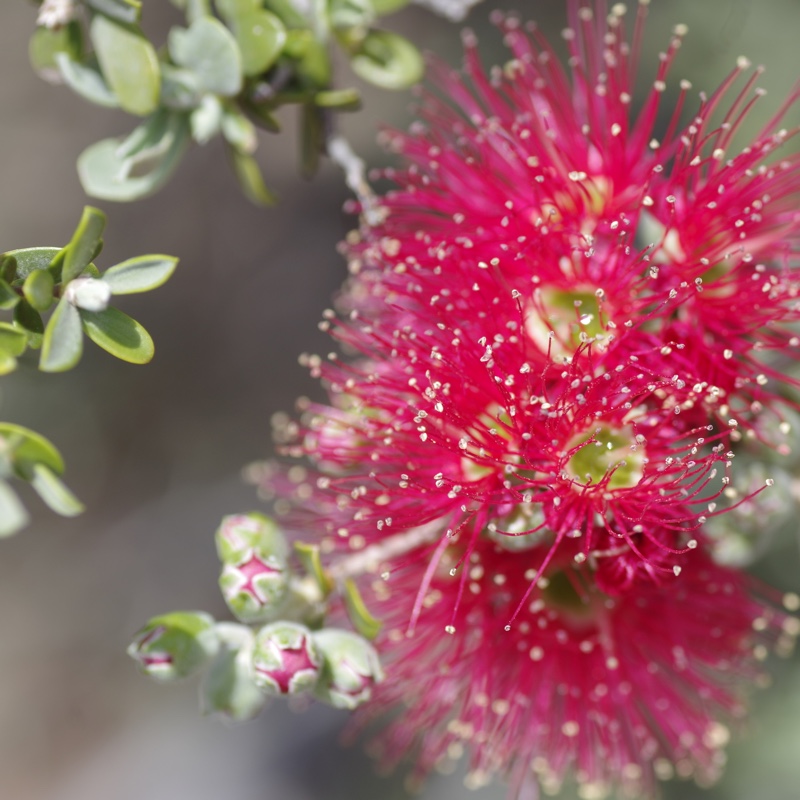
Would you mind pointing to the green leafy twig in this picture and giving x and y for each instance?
(226, 73)
(65, 282)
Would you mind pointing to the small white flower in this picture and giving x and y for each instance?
(56, 13)
(89, 294)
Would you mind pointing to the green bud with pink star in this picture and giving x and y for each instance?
(255, 572)
(174, 645)
(286, 659)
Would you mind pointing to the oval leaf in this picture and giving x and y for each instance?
(388, 60)
(85, 243)
(13, 515)
(251, 181)
(140, 274)
(207, 48)
(85, 81)
(105, 175)
(261, 37)
(38, 289)
(357, 611)
(31, 258)
(53, 492)
(28, 448)
(119, 335)
(62, 345)
(46, 43)
(13, 341)
(129, 64)
(121, 10)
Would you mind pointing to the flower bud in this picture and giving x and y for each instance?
(255, 571)
(174, 645)
(229, 688)
(351, 668)
(285, 659)
(90, 294)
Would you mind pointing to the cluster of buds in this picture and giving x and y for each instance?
(293, 653)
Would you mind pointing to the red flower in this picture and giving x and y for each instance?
(559, 327)
(615, 691)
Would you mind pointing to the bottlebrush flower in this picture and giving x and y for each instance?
(615, 691)
(545, 181)
(550, 363)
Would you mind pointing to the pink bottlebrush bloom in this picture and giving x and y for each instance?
(615, 692)
(543, 180)
(551, 363)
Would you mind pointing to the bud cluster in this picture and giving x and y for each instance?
(290, 651)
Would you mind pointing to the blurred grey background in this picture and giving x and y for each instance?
(156, 451)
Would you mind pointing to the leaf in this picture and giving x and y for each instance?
(7, 363)
(261, 37)
(12, 340)
(119, 335)
(207, 48)
(239, 131)
(8, 297)
(387, 60)
(62, 344)
(84, 243)
(86, 81)
(359, 614)
(206, 119)
(47, 43)
(231, 9)
(311, 561)
(28, 447)
(32, 258)
(31, 320)
(104, 174)
(339, 99)
(140, 274)
(384, 7)
(129, 64)
(351, 14)
(38, 289)
(251, 181)
(121, 10)
(53, 492)
(179, 88)
(13, 516)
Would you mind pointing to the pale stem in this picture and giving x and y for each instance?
(370, 558)
(354, 169)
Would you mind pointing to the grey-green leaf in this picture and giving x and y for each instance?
(207, 48)
(119, 335)
(261, 36)
(239, 131)
(251, 181)
(84, 243)
(86, 81)
(388, 60)
(13, 515)
(120, 10)
(62, 345)
(129, 64)
(140, 274)
(38, 289)
(53, 492)
(13, 340)
(8, 297)
(104, 174)
(31, 258)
